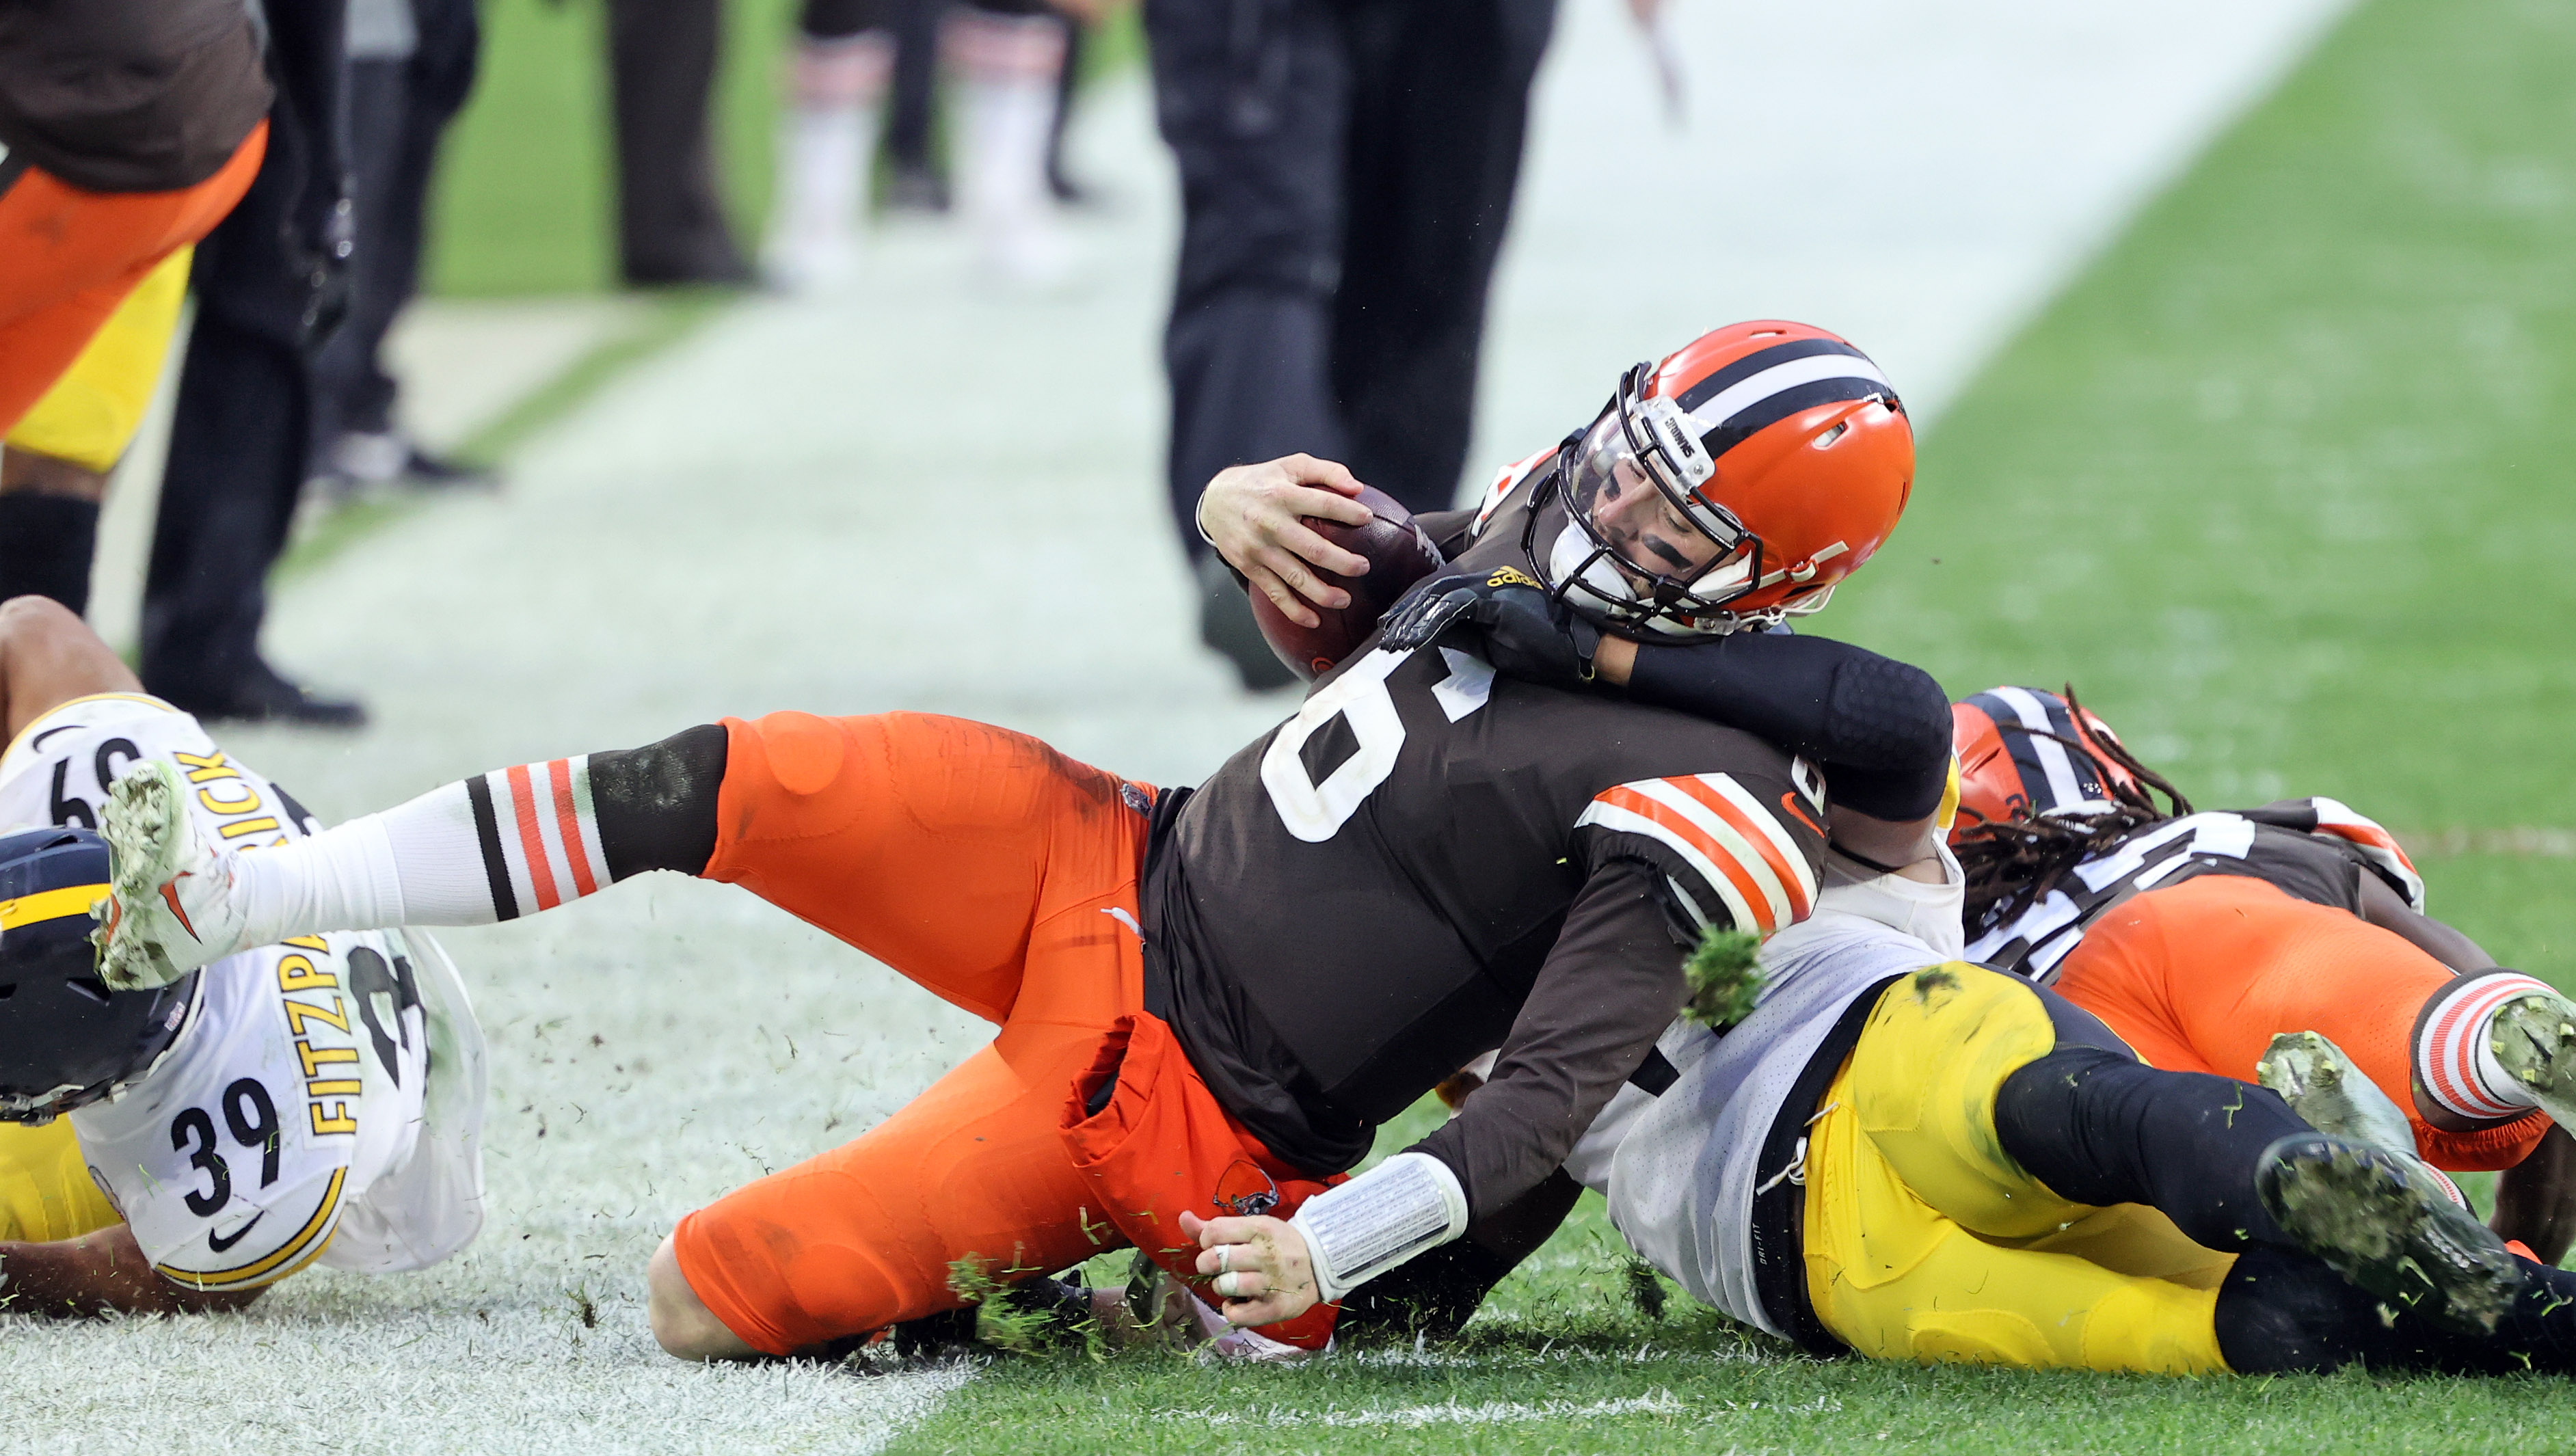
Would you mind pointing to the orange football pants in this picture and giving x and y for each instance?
(1002, 877)
(69, 257)
(2200, 976)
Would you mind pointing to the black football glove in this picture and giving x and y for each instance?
(1524, 634)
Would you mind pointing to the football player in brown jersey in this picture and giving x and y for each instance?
(1205, 1001)
(1659, 550)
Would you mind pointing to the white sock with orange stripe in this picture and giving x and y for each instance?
(2454, 1054)
(494, 847)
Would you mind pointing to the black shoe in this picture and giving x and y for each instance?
(424, 471)
(2360, 1210)
(1226, 624)
(915, 189)
(260, 695)
(716, 264)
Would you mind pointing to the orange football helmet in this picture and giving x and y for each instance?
(2024, 752)
(1732, 485)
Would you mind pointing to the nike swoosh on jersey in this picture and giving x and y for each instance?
(221, 1244)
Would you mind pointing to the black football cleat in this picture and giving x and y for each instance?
(2357, 1208)
(261, 695)
(427, 472)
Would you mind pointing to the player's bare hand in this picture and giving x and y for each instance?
(1252, 514)
(1259, 1266)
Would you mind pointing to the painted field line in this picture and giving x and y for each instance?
(2524, 841)
(1448, 1413)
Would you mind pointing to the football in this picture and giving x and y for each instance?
(1399, 554)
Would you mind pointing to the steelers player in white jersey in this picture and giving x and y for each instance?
(318, 1101)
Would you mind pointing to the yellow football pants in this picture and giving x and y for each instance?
(90, 414)
(46, 1192)
(1925, 1241)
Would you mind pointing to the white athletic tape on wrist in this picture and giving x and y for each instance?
(1379, 1219)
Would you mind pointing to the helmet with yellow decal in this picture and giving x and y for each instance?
(66, 1040)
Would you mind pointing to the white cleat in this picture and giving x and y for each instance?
(2332, 1095)
(813, 261)
(170, 905)
(2534, 1039)
(2335, 1096)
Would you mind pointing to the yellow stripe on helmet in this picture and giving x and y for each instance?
(50, 905)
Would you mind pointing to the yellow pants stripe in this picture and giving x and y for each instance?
(91, 413)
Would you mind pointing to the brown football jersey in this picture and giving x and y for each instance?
(1429, 862)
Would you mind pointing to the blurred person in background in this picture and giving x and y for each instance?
(127, 130)
(271, 285)
(411, 66)
(670, 219)
(915, 181)
(1009, 61)
(1347, 169)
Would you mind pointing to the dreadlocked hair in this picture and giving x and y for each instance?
(2012, 864)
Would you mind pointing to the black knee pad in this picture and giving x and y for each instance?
(657, 804)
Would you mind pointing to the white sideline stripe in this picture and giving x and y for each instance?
(1761, 814)
(1742, 395)
(1784, 911)
(1629, 821)
(2052, 754)
(2525, 840)
(1448, 1413)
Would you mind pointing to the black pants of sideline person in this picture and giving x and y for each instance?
(1347, 169)
(398, 111)
(662, 69)
(267, 287)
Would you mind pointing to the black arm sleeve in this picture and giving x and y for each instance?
(1611, 984)
(1879, 727)
(657, 804)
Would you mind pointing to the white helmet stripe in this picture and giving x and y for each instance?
(1736, 398)
(2063, 787)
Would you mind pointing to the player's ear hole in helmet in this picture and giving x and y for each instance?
(1732, 485)
(66, 1040)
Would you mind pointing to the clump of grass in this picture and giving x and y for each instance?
(1018, 1316)
(1723, 976)
(1646, 1288)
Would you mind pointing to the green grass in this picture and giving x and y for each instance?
(525, 201)
(2279, 483)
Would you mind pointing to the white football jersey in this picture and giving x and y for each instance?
(325, 1101)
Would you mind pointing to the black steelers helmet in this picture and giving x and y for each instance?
(65, 1039)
